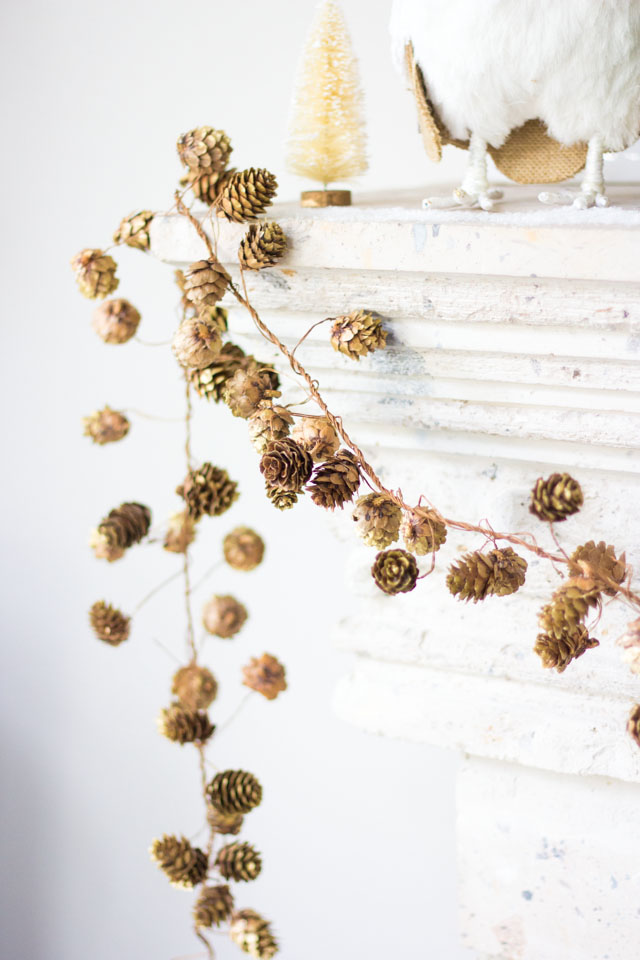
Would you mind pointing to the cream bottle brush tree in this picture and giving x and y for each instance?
(327, 136)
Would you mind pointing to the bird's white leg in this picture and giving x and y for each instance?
(474, 190)
(591, 192)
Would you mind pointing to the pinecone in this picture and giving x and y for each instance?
(134, 230)
(207, 491)
(378, 519)
(478, 575)
(558, 652)
(195, 687)
(265, 675)
(95, 273)
(213, 906)
(247, 195)
(115, 321)
(179, 277)
(422, 531)
(286, 465)
(282, 499)
(205, 283)
(556, 498)
(122, 527)
(234, 791)
(185, 866)
(224, 617)
(395, 571)
(335, 481)
(216, 315)
(247, 390)
(181, 532)
(225, 823)
(207, 186)
(252, 933)
(630, 643)
(569, 607)
(633, 724)
(243, 549)
(358, 334)
(109, 624)
(599, 562)
(262, 246)
(239, 861)
(210, 381)
(267, 425)
(197, 342)
(184, 726)
(317, 436)
(205, 150)
(106, 426)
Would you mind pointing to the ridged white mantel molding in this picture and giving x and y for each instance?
(514, 351)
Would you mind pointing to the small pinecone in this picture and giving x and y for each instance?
(478, 575)
(115, 321)
(134, 230)
(197, 342)
(181, 532)
(599, 562)
(239, 861)
(205, 283)
(184, 726)
(262, 246)
(265, 675)
(282, 499)
(569, 607)
(225, 823)
(317, 436)
(558, 652)
(184, 865)
(252, 933)
(247, 195)
(422, 531)
(243, 549)
(216, 315)
(630, 643)
(109, 624)
(122, 528)
(247, 390)
(358, 334)
(195, 687)
(378, 519)
(633, 724)
(206, 187)
(286, 465)
(106, 426)
(234, 791)
(267, 425)
(213, 906)
(210, 381)
(556, 498)
(95, 273)
(395, 571)
(205, 149)
(224, 617)
(335, 481)
(207, 491)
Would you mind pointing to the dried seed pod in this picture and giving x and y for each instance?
(182, 726)
(95, 273)
(268, 425)
(197, 342)
(630, 643)
(281, 499)
(556, 497)
(422, 531)
(213, 906)
(115, 321)
(633, 724)
(207, 491)
(109, 624)
(216, 315)
(239, 861)
(122, 528)
(106, 426)
(225, 823)
(569, 607)
(207, 187)
(252, 933)
(195, 687)
(599, 562)
(358, 334)
(395, 571)
(243, 549)
(558, 652)
(205, 150)
(286, 465)
(181, 532)
(184, 865)
(265, 675)
(224, 617)
(335, 481)
(205, 283)
(478, 575)
(134, 230)
(211, 380)
(317, 436)
(262, 246)
(246, 195)
(377, 518)
(247, 390)
(234, 791)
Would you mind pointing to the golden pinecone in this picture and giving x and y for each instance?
(134, 230)
(633, 724)
(213, 906)
(262, 246)
(115, 321)
(286, 465)
(267, 425)
(282, 499)
(109, 624)
(239, 861)
(217, 315)
(211, 380)
(247, 390)
(181, 532)
(395, 571)
(252, 933)
(197, 342)
(422, 531)
(182, 726)
(556, 497)
(378, 519)
(106, 426)
(225, 823)
(317, 436)
(205, 150)
(224, 617)
(195, 687)
(184, 865)
(558, 652)
(358, 334)
(95, 273)
(208, 490)
(265, 675)
(122, 527)
(205, 283)
(630, 643)
(206, 186)
(599, 562)
(246, 195)
(569, 607)
(478, 575)
(335, 481)
(243, 549)
(234, 791)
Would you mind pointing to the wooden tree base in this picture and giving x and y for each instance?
(325, 198)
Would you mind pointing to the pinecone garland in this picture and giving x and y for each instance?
(633, 724)
(134, 230)
(213, 906)
(224, 617)
(109, 624)
(115, 321)
(569, 607)
(262, 246)
(247, 195)
(224, 823)
(197, 342)
(478, 575)
(265, 675)
(122, 528)
(557, 652)
(205, 283)
(377, 518)
(95, 273)
(556, 497)
(422, 531)
(195, 687)
(239, 861)
(247, 390)
(599, 562)
(281, 499)
(181, 725)
(106, 426)
(630, 643)
(335, 481)
(252, 933)
(184, 865)
(205, 150)
(358, 334)
(286, 465)
(210, 381)
(234, 791)
(207, 491)
(395, 571)
(267, 425)
(317, 436)
(243, 549)
(181, 532)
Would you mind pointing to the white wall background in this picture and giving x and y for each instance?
(357, 833)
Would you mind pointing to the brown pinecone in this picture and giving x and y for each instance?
(210, 381)
(195, 687)
(267, 425)
(556, 497)
(115, 321)
(422, 531)
(335, 481)
(109, 624)
(282, 499)
(317, 436)
(181, 532)
(243, 549)
(265, 675)
(205, 283)
(630, 643)
(206, 186)
(225, 823)
(558, 652)
(134, 230)
(184, 865)
(286, 465)
(184, 726)
(569, 607)
(122, 528)
(216, 315)
(599, 562)
(224, 617)
(252, 933)
(95, 273)
(633, 724)
(247, 390)
(106, 426)
(213, 906)
(262, 246)
(247, 195)
(234, 791)
(197, 342)
(478, 575)
(205, 149)
(239, 861)
(358, 334)
(395, 571)
(207, 491)
(378, 519)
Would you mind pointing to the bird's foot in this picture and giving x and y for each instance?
(580, 199)
(465, 199)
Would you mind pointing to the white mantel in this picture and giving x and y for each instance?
(514, 351)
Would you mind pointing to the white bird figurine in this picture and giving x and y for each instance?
(487, 72)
